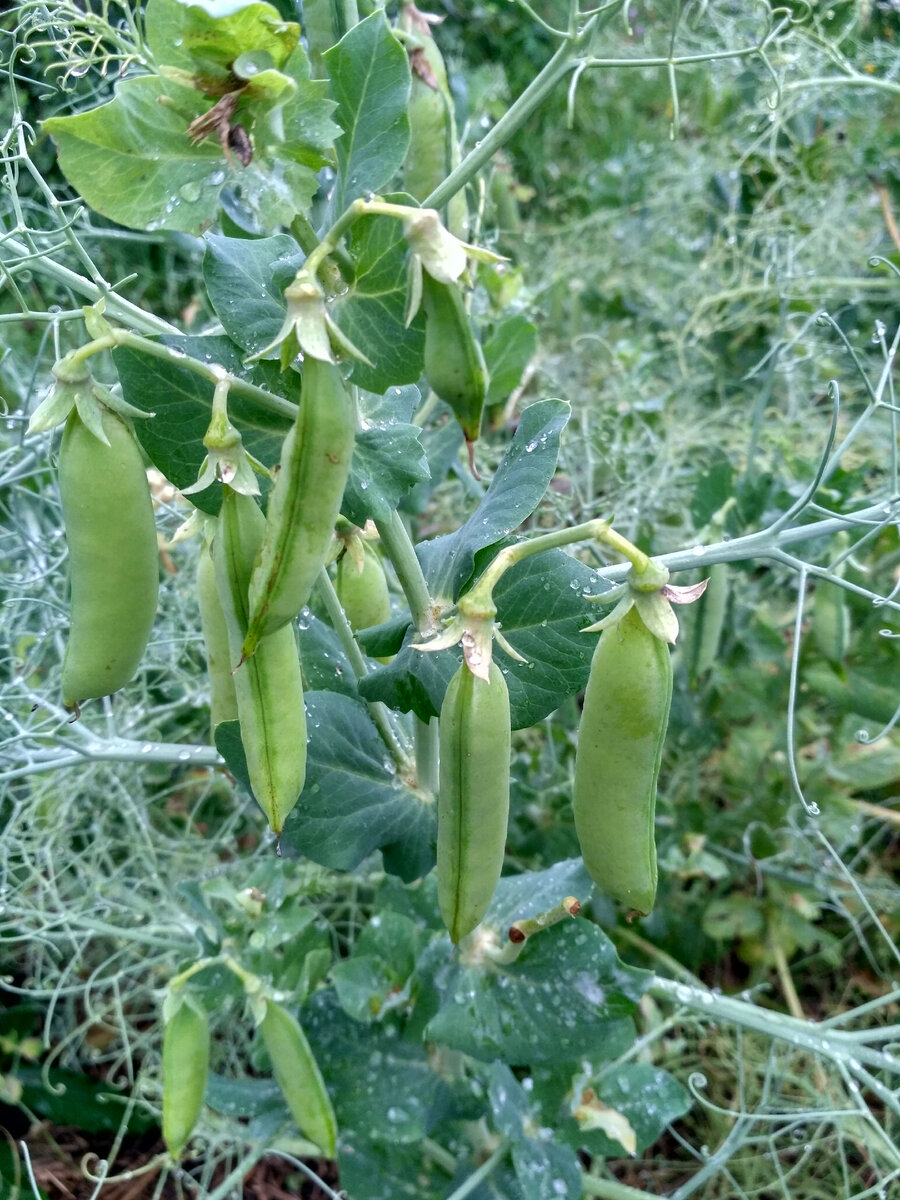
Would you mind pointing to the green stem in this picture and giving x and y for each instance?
(513, 119)
(341, 626)
(427, 735)
(116, 306)
(611, 1189)
(402, 554)
(469, 1185)
(213, 372)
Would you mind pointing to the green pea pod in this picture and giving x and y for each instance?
(304, 502)
(623, 726)
(113, 557)
(830, 621)
(473, 796)
(185, 1072)
(454, 364)
(222, 696)
(268, 686)
(362, 589)
(433, 143)
(297, 1074)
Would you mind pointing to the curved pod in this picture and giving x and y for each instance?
(185, 1071)
(297, 1074)
(268, 686)
(363, 594)
(620, 740)
(113, 557)
(304, 503)
(454, 364)
(473, 797)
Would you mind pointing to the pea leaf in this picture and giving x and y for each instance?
(182, 402)
(353, 802)
(375, 976)
(646, 1096)
(441, 440)
(245, 280)
(507, 353)
(519, 484)
(388, 458)
(384, 1171)
(132, 160)
(381, 1084)
(545, 1169)
(567, 989)
(542, 606)
(322, 658)
(372, 311)
(370, 80)
(206, 34)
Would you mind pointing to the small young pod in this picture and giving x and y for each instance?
(454, 364)
(297, 1074)
(185, 1072)
(362, 589)
(304, 502)
(433, 143)
(222, 696)
(268, 686)
(473, 796)
(620, 740)
(113, 557)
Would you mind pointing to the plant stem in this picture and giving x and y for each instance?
(555, 69)
(400, 551)
(213, 372)
(341, 626)
(427, 735)
(611, 1189)
(469, 1185)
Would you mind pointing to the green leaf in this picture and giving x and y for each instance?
(382, 1085)
(442, 441)
(245, 280)
(545, 1169)
(377, 972)
(506, 354)
(133, 161)
(519, 484)
(323, 661)
(353, 802)
(182, 402)
(208, 34)
(542, 606)
(370, 81)
(388, 458)
(648, 1097)
(372, 311)
(567, 990)
(90, 1104)
(384, 1171)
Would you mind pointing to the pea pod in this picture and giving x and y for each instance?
(113, 557)
(362, 589)
(473, 796)
(304, 503)
(297, 1074)
(710, 622)
(620, 740)
(185, 1072)
(268, 686)
(454, 364)
(433, 143)
(222, 696)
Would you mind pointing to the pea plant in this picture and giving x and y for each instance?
(344, 954)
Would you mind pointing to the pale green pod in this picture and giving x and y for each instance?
(454, 363)
(433, 142)
(185, 1068)
(297, 1074)
(268, 686)
(222, 695)
(113, 557)
(304, 502)
(830, 621)
(473, 796)
(620, 741)
(363, 591)
(710, 621)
